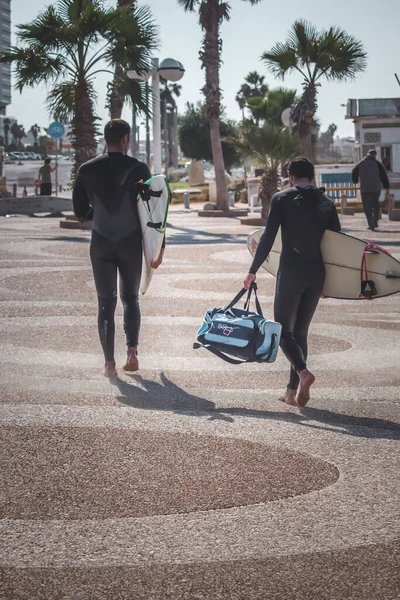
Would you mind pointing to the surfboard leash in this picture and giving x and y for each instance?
(368, 289)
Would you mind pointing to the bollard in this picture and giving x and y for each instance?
(231, 196)
(186, 199)
(14, 190)
(343, 201)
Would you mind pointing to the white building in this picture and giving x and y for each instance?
(5, 42)
(377, 126)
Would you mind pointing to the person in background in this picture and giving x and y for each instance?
(44, 177)
(372, 176)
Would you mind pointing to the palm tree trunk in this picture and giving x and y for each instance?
(116, 101)
(269, 186)
(210, 57)
(83, 125)
(306, 111)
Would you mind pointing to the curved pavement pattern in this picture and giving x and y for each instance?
(189, 480)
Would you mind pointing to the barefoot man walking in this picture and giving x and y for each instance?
(106, 191)
(303, 213)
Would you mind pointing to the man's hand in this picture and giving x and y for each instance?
(250, 277)
(156, 263)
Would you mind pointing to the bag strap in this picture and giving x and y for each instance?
(257, 302)
(228, 359)
(239, 296)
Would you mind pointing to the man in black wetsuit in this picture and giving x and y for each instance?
(106, 191)
(303, 213)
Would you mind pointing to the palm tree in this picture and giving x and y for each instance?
(333, 55)
(170, 120)
(6, 127)
(35, 130)
(211, 14)
(253, 87)
(270, 107)
(269, 146)
(66, 46)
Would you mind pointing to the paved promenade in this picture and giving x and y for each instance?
(189, 480)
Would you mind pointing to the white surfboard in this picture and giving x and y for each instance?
(342, 256)
(153, 212)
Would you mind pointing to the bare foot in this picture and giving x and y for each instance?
(289, 397)
(109, 369)
(306, 381)
(132, 361)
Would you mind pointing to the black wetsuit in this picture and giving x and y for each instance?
(303, 215)
(105, 191)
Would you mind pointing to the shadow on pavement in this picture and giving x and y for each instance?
(152, 395)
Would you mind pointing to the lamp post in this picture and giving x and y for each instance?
(171, 70)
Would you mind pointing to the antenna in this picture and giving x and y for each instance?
(397, 79)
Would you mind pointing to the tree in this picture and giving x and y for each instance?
(122, 88)
(270, 147)
(17, 131)
(211, 15)
(35, 130)
(169, 114)
(6, 127)
(253, 87)
(333, 55)
(270, 107)
(195, 136)
(66, 46)
(326, 139)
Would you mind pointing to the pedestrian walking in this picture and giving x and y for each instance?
(303, 213)
(44, 177)
(372, 176)
(106, 191)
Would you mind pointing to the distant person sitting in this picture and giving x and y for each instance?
(44, 177)
(372, 176)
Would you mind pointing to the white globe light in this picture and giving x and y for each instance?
(171, 69)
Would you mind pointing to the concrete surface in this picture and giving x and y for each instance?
(189, 480)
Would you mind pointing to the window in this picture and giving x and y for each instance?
(386, 157)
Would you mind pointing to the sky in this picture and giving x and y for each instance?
(251, 31)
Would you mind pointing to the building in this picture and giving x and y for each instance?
(5, 43)
(377, 126)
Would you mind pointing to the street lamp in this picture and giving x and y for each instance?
(169, 69)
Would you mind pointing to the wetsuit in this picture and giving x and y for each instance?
(105, 191)
(303, 215)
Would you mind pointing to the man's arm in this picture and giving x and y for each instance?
(80, 200)
(383, 176)
(334, 224)
(355, 174)
(267, 240)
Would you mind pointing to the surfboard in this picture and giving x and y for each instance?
(153, 203)
(343, 255)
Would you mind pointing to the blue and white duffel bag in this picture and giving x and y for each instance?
(239, 332)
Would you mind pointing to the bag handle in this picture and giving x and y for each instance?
(253, 288)
(240, 295)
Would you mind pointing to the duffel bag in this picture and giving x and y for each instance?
(237, 332)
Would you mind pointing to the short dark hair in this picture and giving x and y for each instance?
(301, 167)
(115, 130)
(47, 161)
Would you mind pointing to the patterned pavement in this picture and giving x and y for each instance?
(189, 480)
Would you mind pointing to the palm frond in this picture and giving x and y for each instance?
(252, 2)
(189, 5)
(280, 60)
(48, 31)
(60, 101)
(32, 66)
(341, 57)
(135, 93)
